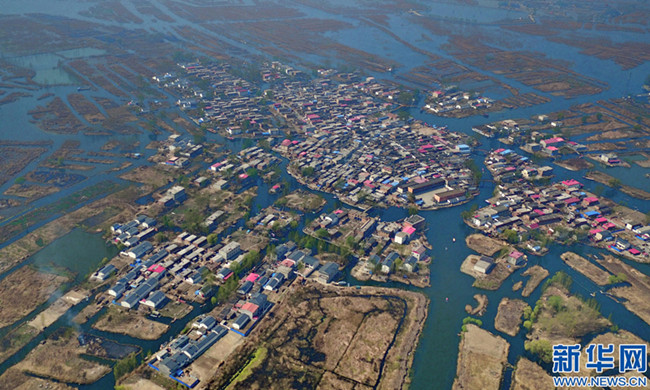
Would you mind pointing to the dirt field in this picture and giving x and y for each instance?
(59, 358)
(330, 336)
(530, 376)
(479, 310)
(303, 201)
(537, 274)
(118, 320)
(18, 380)
(585, 267)
(23, 290)
(508, 317)
(48, 316)
(481, 360)
(30, 192)
(575, 164)
(203, 368)
(484, 245)
(151, 175)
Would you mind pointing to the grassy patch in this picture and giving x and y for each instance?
(258, 357)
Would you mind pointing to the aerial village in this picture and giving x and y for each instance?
(196, 241)
(531, 216)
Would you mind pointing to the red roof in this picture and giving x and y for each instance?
(516, 254)
(252, 277)
(249, 306)
(554, 140)
(408, 230)
(571, 183)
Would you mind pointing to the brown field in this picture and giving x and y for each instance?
(575, 164)
(31, 192)
(119, 320)
(509, 315)
(85, 108)
(585, 267)
(303, 201)
(481, 360)
(17, 380)
(530, 376)
(481, 306)
(23, 290)
(150, 175)
(59, 358)
(484, 245)
(537, 274)
(14, 159)
(325, 336)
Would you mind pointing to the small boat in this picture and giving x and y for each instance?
(453, 239)
(447, 299)
(211, 130)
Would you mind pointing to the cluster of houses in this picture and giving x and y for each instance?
(184, 349)
(551, 147)
(447, 101)
(363, 153)
(506, 166)
(181, 150)
(250, 158)
(225, 101)
(561, 208)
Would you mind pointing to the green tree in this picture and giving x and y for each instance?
(125, 366)
(614, 182)
(511, 236)
(541, 348)
(322, 233)
(308, 171)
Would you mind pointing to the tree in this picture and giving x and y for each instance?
(212, 239)
(614, 183)
(124, 366)
(405, 98)
(511, 236)
(308, 171)
(322, 233)
(160, 237)
(403, 115)
(541, 348)
(555, 302)
(413, 210)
